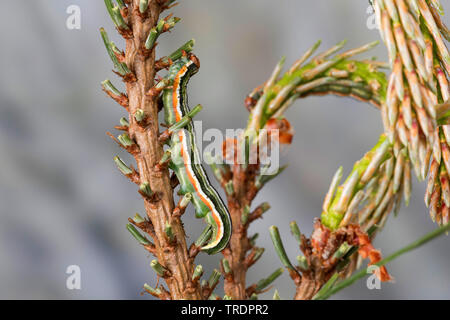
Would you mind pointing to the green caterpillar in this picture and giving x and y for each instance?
(185, 158)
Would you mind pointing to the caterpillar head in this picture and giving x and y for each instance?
(195, 60)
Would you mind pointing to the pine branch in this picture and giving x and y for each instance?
(135, 21)
(410, 115)
(323, 74)
(413, 34)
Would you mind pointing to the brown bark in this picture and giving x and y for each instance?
(239, 246)
(173, 256)
(307, 289)
(235, 286)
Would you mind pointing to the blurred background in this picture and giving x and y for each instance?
(64, 203)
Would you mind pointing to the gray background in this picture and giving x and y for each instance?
(62, 200)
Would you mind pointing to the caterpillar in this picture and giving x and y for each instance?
(185, 158)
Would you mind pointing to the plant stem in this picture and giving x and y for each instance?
(238, 201)
(235, 286)
(174, 256)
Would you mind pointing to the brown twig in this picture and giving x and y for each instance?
(236, 253)
(174, 256)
